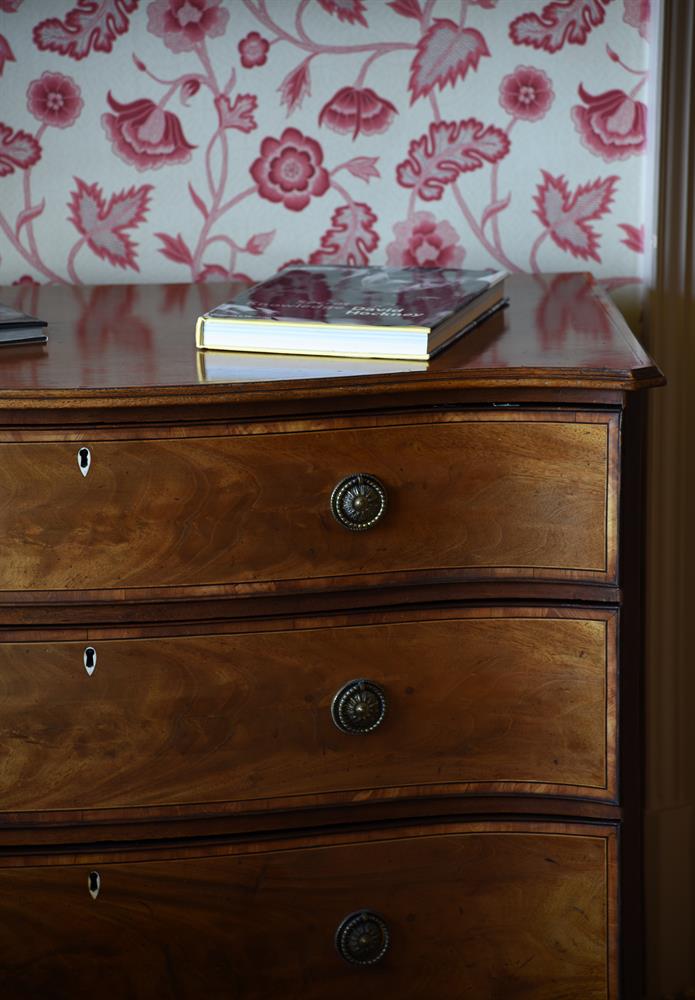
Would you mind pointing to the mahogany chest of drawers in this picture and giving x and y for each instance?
(320, 678)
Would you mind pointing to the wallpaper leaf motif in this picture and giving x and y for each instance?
(351, 238)
(175, 248)
(447, 150)
(351, 11)
(18, 149)
(407, 8)
(103, 224)
(92, 24)
(446, 52)
(295, 87)
(238, 115)
(634, 236)
(363, 167)
(259, 243)
(198, 201)
(559, 22)
(567, 215)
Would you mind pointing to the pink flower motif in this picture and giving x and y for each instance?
(636, 13)
(55, 99)
(527, 93)
(290, 170)
(183, 24)
(145, 135)
(354, 110)
(613, 125)
(253, 50)
(26, 279)
(421, 241)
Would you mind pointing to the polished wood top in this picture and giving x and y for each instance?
(119, 344)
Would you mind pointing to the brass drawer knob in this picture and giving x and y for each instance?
(359, 707)
(362, 938)
(358, 501)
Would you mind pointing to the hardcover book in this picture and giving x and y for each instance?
(359, 312)
(18, 328)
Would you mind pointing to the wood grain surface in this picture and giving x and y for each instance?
(472, 495)
(114, 346)
(484, 700)
(509, 911)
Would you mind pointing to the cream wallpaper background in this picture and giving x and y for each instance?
(188, 140)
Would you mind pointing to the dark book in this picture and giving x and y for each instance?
(18, 328)
(359, 312)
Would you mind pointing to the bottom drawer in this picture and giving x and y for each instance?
(476, 910)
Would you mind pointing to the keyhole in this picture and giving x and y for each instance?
(94, 884)
(84, 460)
(90, 659)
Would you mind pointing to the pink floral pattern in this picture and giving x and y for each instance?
(18, 149)
(354, 110)
(289, 170)
(324, 131)
(103, 223)
(560, 22)
(527, 93)
(6, 53)
(55, 100)
(612, 125)
(638, 14)
(87, 27)
(253, 50)
(183, 24)
(421, 241)
(143, 134)
(351, 11)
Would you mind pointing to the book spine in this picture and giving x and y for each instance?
(200, 323)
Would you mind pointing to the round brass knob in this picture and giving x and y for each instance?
(362, 938)
(358, 501)
(359, 707)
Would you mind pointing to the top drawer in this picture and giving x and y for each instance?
(247, 508)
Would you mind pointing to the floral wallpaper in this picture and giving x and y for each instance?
(193, 140)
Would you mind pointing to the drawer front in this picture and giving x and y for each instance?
(475, 700)
(515, 494)
(491, 911)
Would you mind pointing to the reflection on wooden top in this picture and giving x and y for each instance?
(126, 342)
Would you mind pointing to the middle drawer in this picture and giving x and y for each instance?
(266, 714)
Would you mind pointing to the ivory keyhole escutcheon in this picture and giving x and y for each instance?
(84, 460)
(90, 659)
(94, 884)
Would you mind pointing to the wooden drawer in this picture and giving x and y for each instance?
(505, 911)
(477, 700)
(246, 508)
